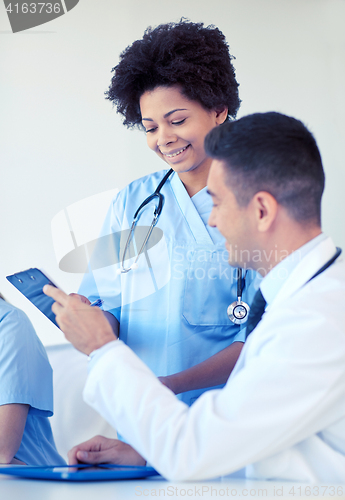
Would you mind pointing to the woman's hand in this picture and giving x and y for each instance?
(168, 382)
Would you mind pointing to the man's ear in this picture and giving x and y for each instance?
(265, 208)
(221, 115)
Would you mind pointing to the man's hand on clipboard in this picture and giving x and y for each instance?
(84, 326)
(102, 450)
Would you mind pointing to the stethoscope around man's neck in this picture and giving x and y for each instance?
(238, 311)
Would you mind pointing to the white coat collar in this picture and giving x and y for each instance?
(305, 269)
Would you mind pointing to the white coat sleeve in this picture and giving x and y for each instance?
(289, 386)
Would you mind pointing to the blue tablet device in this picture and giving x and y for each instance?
(81, 472)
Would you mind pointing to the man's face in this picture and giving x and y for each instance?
(232, 221)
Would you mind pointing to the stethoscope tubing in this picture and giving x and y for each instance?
(156, 214)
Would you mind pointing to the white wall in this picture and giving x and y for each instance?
(61, 141)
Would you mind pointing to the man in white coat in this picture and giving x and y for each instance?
(281, 414)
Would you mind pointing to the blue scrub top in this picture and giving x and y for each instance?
(172, 309)
(26, 378)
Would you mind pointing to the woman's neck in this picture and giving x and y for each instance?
(195, 180)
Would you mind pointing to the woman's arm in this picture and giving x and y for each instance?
(213, 371)
(12, 424)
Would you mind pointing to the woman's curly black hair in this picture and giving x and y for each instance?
(183, 53)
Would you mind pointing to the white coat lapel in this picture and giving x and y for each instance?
(189, 212)
(308, 266)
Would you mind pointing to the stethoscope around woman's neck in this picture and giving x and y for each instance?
(237, 311)
(157, 211)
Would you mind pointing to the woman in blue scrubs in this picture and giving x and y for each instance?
(26, 393)
(176, 83)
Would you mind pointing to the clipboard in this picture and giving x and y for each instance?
(30, 283)
(80, 472)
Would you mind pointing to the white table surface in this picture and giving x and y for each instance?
(12, 488)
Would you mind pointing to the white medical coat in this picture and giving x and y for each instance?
(172, 310)
(282, 412)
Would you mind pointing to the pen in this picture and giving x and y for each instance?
(97, 303)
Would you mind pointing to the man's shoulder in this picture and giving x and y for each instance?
(330, 282)
(319, 303)
(315, 306)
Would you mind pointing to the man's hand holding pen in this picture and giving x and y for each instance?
(84, 326)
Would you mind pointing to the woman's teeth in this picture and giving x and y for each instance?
(177, 153)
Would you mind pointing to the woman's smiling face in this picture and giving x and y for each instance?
(176, 127)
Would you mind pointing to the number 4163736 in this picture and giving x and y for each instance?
(34, 7)
(317, 491)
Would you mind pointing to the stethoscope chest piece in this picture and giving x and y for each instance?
(238, 312)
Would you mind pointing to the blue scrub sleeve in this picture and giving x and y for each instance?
(241, 336)
(25, 372)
